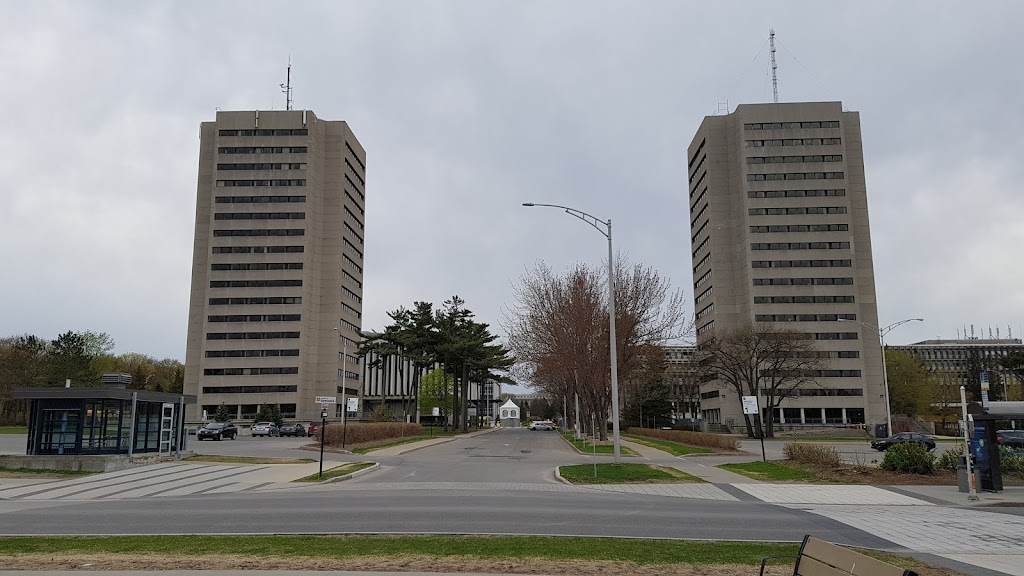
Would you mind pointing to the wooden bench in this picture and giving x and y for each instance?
(819, 558)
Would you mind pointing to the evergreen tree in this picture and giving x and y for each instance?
(275, 415)
(222, 414)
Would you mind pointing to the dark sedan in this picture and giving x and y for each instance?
(1010, 438)
(293, 430)
(217, 430)
(883, 444)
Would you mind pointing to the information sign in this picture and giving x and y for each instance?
(750, 405)
(326, 400)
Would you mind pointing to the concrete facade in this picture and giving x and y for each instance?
(949, 361)
(277, 267)
(779, 233)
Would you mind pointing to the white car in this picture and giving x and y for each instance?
(542, 425)
(265, 429)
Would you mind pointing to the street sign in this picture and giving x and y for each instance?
(984, 389)
(326, 400)
(435, 411)
(750, 405)
(353, 404)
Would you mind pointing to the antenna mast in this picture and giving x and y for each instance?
(287, 87)
(775, 80)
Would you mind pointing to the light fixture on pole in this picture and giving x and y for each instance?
(606, 231)
(885, 373)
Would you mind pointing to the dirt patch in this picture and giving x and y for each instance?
(390, 564)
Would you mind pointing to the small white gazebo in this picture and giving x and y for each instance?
(509, 414)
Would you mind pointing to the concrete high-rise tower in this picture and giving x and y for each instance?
(277, 266)
(779, 234)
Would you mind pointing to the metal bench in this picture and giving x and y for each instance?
(819, 558)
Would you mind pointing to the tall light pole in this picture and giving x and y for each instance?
(885, 373)
(607, 233)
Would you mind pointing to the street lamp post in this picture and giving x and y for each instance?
(607, 233)
(885, 373)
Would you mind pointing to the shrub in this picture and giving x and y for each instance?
(370, 433)
(716, 441)
(814, 454)
(908, 458)
(950, 459)
(1011, 461)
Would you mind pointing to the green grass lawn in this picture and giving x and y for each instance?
(519, 547)
(246, 459)
(767, 471)
(13, 430)
(673, 448)
(584, 446)
(336, 471)
(624, 474)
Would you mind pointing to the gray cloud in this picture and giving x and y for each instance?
(467, 109)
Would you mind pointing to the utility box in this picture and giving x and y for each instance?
(881, 430)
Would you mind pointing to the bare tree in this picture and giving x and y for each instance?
(763, 360)
(558, 329)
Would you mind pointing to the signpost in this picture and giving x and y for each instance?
(750, 408)
(352, 405)
(972, 490)
(324, 401)
(984, 389)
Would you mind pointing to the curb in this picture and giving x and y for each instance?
(582, 453)
(366, 470)
(560, 479)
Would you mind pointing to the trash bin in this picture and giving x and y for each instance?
(963, 484)
(881, 431)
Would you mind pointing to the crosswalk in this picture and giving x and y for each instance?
(166, 479)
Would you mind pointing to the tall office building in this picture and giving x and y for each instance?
(277, 266)
(779, 234)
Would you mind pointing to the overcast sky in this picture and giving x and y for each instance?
(466, 110)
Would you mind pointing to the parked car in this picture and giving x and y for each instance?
(883, 444)
(542, 425)
(295, 429)
(312, 428)
(217, 431)
(1010, 438)
(265, 429)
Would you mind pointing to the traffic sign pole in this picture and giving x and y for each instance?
(323, 430)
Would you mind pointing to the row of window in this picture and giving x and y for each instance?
(704, 295)
(705, 278)
(708, 310)
(801, 263)
(258, 266)
(278, 132)
(803, 281)
(804, 392)
(258, 199)
(259, 216)
(794, 176)
(248, 389)
(274, 183)
(351, 295)
(353, 263)
(796, 193)
(354, 217)
(250, 335)
(801, 228)
(791, 125)
(835, 336)
(699, 198)
(262, 166)
(697, 185)
(256, 300)
(355, 156)
(803, 317)
(702, 227)
(793, 159)
(352, 278)
(702, 262)
(796, 211)
(800, 246)
(255, 318)
(355, 173)
(695, 219)
(259, 249)
(255, 283)
(697, 153)
(261, 232)
(803, 299)
(351, 310)
(706, 328)
(693, 172)
(354, 233)
(353, 247)
(709, 394)
(251, 353)
(262, 150)
(793, 142)
(702, 245)
(250, 371)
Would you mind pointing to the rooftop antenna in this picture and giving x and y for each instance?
(287, 87)
(775, 79)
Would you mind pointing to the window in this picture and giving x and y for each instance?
(259, 216)
(260, 232)
(250, 335)
(251, 353)
(250, 371)
(803, 299)
(799, 245)
(258, 199)
(255, 301)
(792, 125)
(709, 394)
(248, 389)
(278, 132)
(704, 295)
(706, 328)
(801, 263)
(795, 176)
(262, 150)
(258, 266)
(260, 183)
(803, 317)
(796, 193)
(258, 249)
(796, 211)
(256, 318)
(792, 159)
(263, 166)
(255, 283)
(705, 278)
(835, 336)
(702, 262)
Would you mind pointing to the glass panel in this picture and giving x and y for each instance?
(59, 434)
